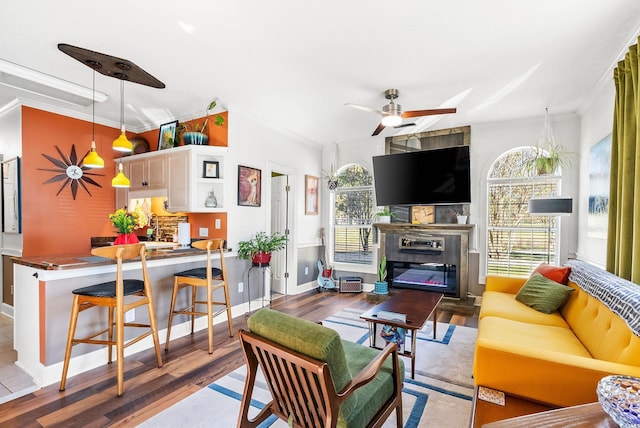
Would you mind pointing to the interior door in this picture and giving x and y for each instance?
(279, 224)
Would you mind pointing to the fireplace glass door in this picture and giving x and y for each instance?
(438, 277)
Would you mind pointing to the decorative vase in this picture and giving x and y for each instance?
(195, 138)
(211, 201)
(126, 238)
(261, 258)
(381, 287)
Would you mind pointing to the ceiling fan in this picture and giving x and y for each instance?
(392, 113)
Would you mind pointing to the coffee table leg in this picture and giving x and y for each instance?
(435, 321)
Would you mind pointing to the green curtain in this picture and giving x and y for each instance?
(623, 245)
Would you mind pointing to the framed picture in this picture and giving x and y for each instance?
(249, 186)
(11, 196)
(310, 195)
(210, 169)
(167, 135)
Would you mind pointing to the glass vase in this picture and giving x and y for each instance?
(211, 201)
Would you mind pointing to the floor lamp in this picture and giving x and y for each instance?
(550, 206)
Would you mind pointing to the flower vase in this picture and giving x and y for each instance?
(126, 238)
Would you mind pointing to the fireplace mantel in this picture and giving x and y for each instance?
(408, 227)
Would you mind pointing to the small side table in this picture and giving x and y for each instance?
(264, 282)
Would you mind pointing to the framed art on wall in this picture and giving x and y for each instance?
(249, 186)
(310, 195)
(210, 169)
(167, 135)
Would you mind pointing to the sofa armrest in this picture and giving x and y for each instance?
(541, 375)
(504, 284)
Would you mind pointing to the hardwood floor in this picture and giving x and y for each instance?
(90, 398)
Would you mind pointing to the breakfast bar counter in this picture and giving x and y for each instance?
(43, 299)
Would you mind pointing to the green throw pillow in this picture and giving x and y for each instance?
(543, 294)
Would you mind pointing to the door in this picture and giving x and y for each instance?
(279, 224)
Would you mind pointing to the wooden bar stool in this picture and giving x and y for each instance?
(210, 277)
(112, 295)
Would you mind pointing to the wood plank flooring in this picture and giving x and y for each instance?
(90, 398)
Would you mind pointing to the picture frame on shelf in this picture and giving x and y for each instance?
(249, 186)
(311, 195)
(167, 135)
(210, 169)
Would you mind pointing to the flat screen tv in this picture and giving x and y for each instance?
(439, 176)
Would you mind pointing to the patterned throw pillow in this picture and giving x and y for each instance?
(543, 294)
(559, 274)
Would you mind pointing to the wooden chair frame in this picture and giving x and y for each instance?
(211, 284)
(302, 387)
(118, 305)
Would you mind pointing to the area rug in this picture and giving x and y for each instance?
(439, 396)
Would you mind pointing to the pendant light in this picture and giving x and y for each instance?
(120, 180)
(122, 144)
(93, 159)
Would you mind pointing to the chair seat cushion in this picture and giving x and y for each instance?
(108, 289)
(200, 273)
(367, 400)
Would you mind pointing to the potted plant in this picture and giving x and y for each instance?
(331, 176)
(384, 216)
(381, 286)
(546, 159)
(126, 223)
(194, 133)
(260, 247)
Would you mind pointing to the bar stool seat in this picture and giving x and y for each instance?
(208, 277)
(112, 295)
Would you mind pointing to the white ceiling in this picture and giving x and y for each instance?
(294, 64)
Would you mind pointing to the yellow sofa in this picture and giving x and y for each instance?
(558, 358)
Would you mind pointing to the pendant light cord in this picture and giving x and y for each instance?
(93, 108)
(121, 103)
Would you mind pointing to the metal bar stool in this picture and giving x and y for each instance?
(112, 296)
(210, 277)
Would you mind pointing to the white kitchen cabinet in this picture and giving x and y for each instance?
(177, 174)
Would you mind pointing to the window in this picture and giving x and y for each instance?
(516, 241)
(353, 212)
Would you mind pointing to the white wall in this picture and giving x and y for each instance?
(596, 123)
(258, 146)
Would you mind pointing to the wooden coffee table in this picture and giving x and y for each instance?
(417, 305)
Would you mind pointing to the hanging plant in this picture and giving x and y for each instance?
(331, 176)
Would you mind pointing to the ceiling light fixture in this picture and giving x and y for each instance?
(392, 114)
(93, 159)
(122, 144)
(120, 180)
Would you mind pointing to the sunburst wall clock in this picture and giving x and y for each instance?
(70, 169)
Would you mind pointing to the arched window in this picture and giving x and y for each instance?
(516, 241)
(353, 211)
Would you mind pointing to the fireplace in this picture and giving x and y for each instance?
(427, 257)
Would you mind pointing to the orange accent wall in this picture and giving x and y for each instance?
(53, 223)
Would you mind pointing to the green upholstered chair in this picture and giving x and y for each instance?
(316, 378)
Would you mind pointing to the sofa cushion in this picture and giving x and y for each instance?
(559, 274)
(524, 335)
(543, 294)
(504, 305)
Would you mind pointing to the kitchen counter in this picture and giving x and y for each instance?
(43, 288)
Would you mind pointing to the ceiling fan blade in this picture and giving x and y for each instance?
(364, 108)
(404, 125)
(417, 113)
(378, 130)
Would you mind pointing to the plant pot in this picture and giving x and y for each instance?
(195, 138)
(381, 287)
(462, 219)
(332, 184)
(126, 238)
(384, 219)
(261, 258)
